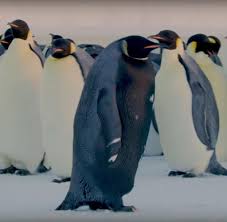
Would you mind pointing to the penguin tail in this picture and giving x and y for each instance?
(69, 203)
(215, 167)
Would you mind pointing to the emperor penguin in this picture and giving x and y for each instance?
(20, 129)
(111, 126)
(47, 50)
(186, 111)
(204, 51)
(61, 87)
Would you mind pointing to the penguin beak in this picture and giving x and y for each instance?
(152, 46)
(3, 41)
(214, 57)
(13, 25)
(51, 34)
(57, 50)
(157, 37)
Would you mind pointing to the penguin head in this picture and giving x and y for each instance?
(7, 38)
(215, 44)
(208, 45)
(62, 48)
(137, 47)
(54, 37)
(198, 43)
(168, 39)
(20, 29)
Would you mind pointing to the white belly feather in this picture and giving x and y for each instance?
(173, 105)
(20, 128)
(61, 89)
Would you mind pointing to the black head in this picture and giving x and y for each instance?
(62, 47)
(20, 29)
(207, 45)
(7, 38)
(215, 44)
(199, 43)
(54, 37)
(137, 47)
(167, 39)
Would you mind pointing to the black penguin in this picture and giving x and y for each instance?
(92, 49)
(111, 126)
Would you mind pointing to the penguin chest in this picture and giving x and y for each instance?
(173, 110)
(61, 89)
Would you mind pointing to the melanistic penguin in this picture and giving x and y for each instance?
(92, 49)
(47, 50)
(61, 86)
(111, 126)
(204, 51)
(20, 129)
(186, 111)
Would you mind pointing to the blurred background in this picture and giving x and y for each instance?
(101, 21)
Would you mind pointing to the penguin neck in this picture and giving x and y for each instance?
(30, 38)
(200, 57)
(172, 55)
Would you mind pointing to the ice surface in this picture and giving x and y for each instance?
(156, 196)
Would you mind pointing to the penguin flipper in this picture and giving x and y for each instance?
(38, 52)
(204, 108)
(110, 120)
(84, 60)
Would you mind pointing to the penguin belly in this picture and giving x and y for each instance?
(20, 129)
(218, 81)
(61, 89)
(173, 109)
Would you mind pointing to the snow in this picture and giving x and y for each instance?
(156, 196)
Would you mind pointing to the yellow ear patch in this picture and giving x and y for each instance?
(72, 47)
(179, 42)
(211, 40)
(192, 46)
(124, 47)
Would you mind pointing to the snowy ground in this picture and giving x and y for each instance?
(156, 196)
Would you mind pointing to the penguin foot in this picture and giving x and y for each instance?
(100, 206)
(97, 205)
(22, 172)
(176, 173)
(67, 179)
(70, 203)
(189, 175)
(9, 170)
(127, 209)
